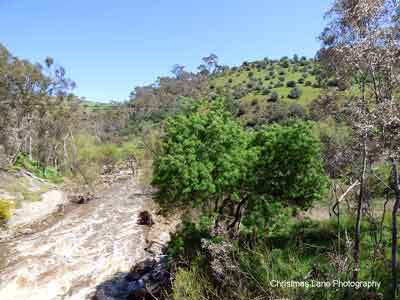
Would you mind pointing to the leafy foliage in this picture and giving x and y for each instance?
(37, 169)
(37, 109)
(209, 160)
(205, 158)
(290, 166)
(295, 93)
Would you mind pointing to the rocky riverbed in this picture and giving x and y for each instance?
(83, 248)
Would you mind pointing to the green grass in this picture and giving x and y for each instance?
(241, 78)
(35, 168)
(190, 284)
(92, 106)
(304, 246)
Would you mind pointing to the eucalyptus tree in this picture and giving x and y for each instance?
(35, 107)
(362, 45)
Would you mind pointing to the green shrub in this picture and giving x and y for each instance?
(332, 83)
(108, 154)
(273, 97)
(284, 64)
(6, 210)
(316, 85)
(191, 171)
(266, 91)
(185, 243)
(33, 166)
(297, 111)
(258, 88)
(93, 158)
(190, 284)
(291, 84)
(291, 167)
(295, 93)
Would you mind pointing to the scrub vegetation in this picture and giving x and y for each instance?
(286, 169)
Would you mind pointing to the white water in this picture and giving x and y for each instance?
(87, 246)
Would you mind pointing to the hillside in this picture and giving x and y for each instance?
(258, 90)
(290, 84)
(259, 79)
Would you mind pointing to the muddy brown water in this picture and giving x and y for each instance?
(70, 256)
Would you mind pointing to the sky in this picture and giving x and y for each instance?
(110, 47)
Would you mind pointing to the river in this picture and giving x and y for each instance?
(71, 256)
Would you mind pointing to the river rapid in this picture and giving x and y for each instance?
(86, 246)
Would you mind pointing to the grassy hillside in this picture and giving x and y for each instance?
(264, 77)
(285, 84)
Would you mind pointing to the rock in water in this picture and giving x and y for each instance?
(144, 281)
(145, 218)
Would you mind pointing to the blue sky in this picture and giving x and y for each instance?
(109, 47)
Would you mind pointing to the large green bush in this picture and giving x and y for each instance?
(289, 168)
(209, 160)
(205, 159)
(91, 158)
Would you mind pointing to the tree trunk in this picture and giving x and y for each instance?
(238, 214)
(357, 231)
(394, 228)
(30, 146)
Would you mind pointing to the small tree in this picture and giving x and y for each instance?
(361, 44)
(295, 93)
(291, 84)
(132, 154)
(204, 161)
(288, 172)
(273, 97)
(290, 167)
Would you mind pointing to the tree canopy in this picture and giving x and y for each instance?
(209, 159)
